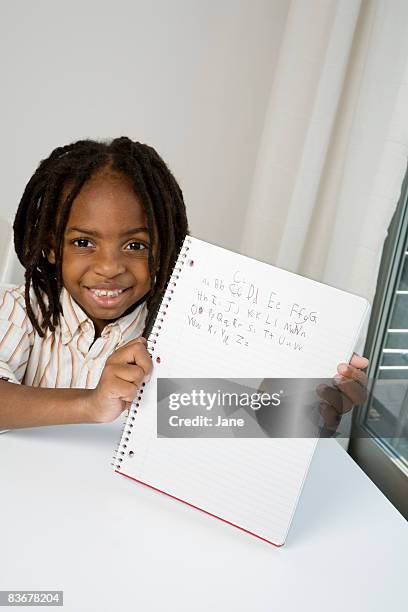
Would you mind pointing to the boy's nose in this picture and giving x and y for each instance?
(109, 264)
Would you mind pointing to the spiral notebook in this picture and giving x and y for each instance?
(225, 315)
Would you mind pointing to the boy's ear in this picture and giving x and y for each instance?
(50, 255)
(49, 251)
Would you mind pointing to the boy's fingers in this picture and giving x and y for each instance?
(346, 370)
(359, 362)
(133, 353)
(351, 389)
(352, 382)
(130, 373)
(334, 398)
(122, 389)
(345, 393)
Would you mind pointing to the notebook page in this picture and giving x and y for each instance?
(230, 317)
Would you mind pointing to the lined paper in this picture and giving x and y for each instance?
(230, 316)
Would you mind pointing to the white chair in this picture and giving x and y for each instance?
(11, 271)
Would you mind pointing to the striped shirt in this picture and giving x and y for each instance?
(63, 358)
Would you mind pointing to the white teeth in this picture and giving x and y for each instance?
(106, 292)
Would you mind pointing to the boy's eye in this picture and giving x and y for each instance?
(136, 246)
(80, 242)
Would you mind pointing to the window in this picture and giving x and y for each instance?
(379, 440)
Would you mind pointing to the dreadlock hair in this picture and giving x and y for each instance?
(41, 214)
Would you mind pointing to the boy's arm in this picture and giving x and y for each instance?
(23, 406)
(123, 375)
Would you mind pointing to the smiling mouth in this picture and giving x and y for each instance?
(107, 292)
(104, 297)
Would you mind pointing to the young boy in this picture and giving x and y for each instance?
(98, 231)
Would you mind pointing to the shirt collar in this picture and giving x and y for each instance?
(74, 319)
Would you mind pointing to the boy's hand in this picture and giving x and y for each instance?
(124, 372)
(350, 389)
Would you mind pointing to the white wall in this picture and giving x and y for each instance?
(189, 77)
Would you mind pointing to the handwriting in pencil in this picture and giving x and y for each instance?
(235, 310)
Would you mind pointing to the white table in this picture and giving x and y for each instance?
(68, 522)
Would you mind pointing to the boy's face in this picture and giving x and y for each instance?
(106, 244)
